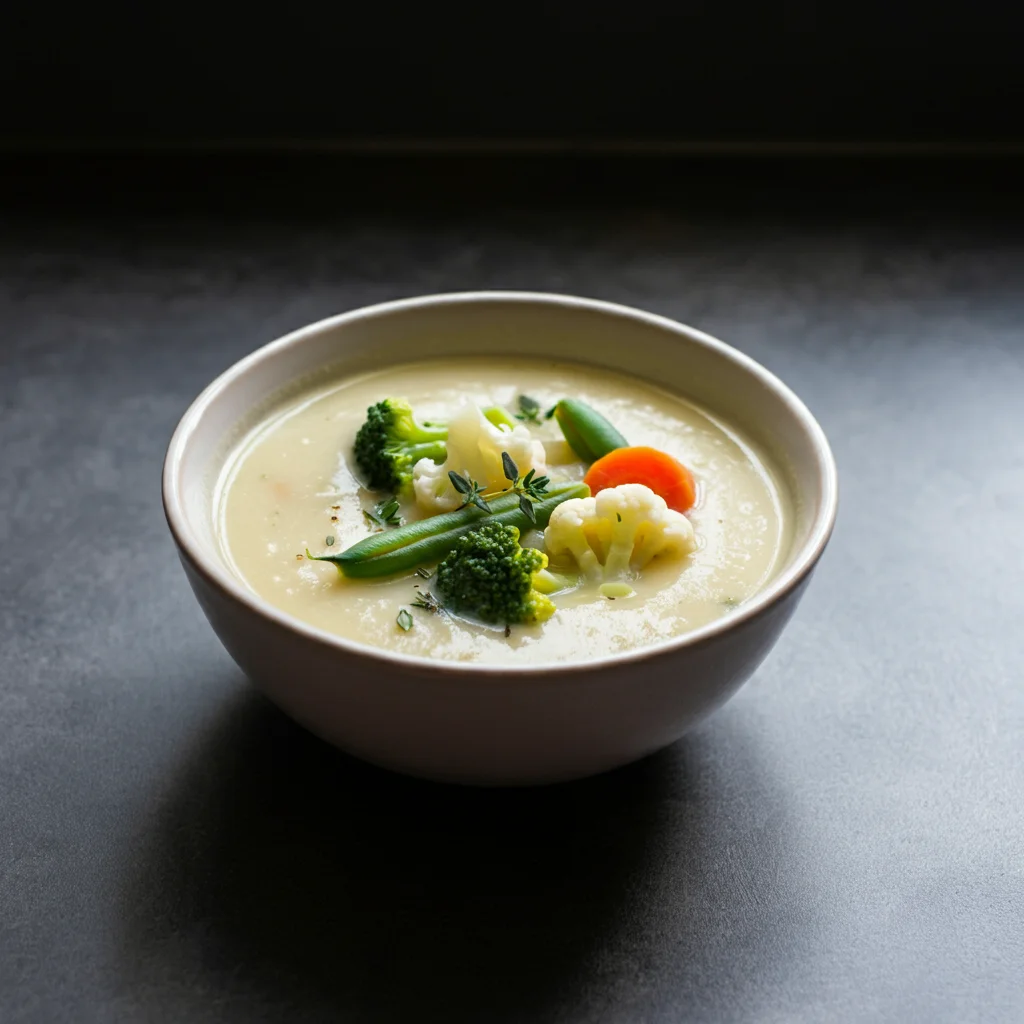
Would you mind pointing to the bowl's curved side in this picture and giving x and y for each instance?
(531, 324)
(489, 724)
(515, 729)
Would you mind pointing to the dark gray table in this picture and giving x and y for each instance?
(843, 841)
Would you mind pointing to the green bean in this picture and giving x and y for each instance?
(427, 541)
(589, 434)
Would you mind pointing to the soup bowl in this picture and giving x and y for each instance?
(491, 724)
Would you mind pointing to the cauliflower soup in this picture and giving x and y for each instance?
(449, 503)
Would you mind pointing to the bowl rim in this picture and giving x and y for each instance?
(801, 563)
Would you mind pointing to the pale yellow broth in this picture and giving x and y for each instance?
(292, 483)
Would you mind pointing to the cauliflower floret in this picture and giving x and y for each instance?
(474, 450)
(619, 530)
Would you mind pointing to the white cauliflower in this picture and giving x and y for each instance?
(617, 531)
(474, 448)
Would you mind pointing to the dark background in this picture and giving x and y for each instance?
(833, 190)
(571, 72)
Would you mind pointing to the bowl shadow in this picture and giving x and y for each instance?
(303, 884)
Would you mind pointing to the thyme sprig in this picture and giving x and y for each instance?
(426, 600)
(472, 493)
(530, 488)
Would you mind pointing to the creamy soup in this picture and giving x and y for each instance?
(292, 485)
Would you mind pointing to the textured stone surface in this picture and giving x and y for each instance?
(843, 840)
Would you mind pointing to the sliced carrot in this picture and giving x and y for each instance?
(648, 466)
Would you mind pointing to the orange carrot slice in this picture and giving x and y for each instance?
(648, 466)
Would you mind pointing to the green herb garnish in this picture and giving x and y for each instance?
(471, 491)
(427, 602)
(384, 514)
(425, 573)
(405, 620)
(529, 409)
(529, 488)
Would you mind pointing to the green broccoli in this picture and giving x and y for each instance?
(391, 442)
(488, 575)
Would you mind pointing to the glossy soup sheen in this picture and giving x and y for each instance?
(292, 484)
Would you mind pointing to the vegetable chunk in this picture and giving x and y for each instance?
(475, 447)
(390, 442)
(489, 576)
(427, 541)
(655, 469)
(618, 531)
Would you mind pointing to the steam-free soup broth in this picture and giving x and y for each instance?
(293, 485)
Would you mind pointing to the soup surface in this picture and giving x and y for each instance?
(292, 484)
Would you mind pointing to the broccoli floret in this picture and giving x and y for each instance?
(391, 442)
(488, 575)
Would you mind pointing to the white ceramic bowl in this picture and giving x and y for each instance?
(488, 724)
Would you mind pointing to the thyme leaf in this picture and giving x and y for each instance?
(529, 409)
(471, 491)
(384, 514)
(427, 601)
